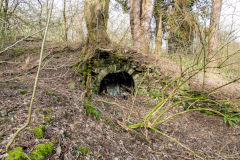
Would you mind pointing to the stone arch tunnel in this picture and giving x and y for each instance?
(113, 72)
(117, 82)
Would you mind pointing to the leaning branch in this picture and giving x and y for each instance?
(7, 48)
(35, 84)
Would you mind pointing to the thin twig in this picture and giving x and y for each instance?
(21, 40)
(176, 141)
(112, 103)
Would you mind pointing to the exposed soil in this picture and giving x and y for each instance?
(107, 138)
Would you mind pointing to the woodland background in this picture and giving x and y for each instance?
(190, 110)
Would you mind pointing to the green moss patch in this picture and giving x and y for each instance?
(47, 119)
(49, 111)
(71, 85)
(40, 153)
(23, 92)
(83, 151)
(39, 132)
(42, 150)
(17, 154)
(84, 69)
(91, 110)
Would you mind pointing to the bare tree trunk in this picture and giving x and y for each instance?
(96, 16)
(158, 36)
(147, 13)
(1, 9)
(47, 8)
(5, 20)
(135, 22)
(141, 12)
(2, 34)
(1, 5)
(40, 16)
(214, 29)
(5, 11)
(65, 22)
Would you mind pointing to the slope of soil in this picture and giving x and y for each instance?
(60, 92)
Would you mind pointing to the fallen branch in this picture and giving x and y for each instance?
(112, 103)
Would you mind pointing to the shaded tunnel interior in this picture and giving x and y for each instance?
(117, 83)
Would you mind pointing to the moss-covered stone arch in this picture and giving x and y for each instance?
(105, 62)
(112, 69)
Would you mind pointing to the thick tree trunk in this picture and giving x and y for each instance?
(141, 12)
(135, 22)
(214, 30)
(147, 13)
(158, 36)
(96, 16)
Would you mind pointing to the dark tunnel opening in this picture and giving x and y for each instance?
(117, 83)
